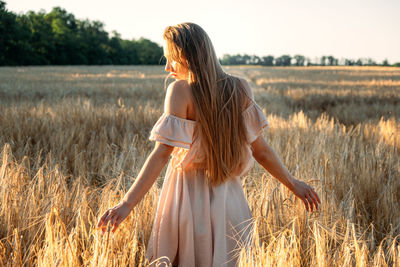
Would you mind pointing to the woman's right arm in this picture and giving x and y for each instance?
(176, 102)
(268, 158)
(151, 169)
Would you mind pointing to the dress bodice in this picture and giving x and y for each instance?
(187, 154)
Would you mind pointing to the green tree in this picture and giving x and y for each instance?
(130, 50)
(332, 61)
(268, 61)
(65, 30)
(246, 59)
(239, 59)
(114, 49)
(371, 62)
(284, 60)
(385, 63)
(349, 62)
(359, 62)
(41, 37)
(255, 60)
(299, 60)
(149, 52)
(7, 29)
(93, 40)
(226, 60)
(323, 60)
(15, 48)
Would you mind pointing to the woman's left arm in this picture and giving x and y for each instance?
(155, 162)
(268, 158)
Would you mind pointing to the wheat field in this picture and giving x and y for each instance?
(73, 140)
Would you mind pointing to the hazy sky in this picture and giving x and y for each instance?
(342, 28)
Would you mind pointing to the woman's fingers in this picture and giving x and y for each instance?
(316, 196)
(310, 203)
(306, 203)
(314, 199)
(113, 217)
(308, 195)
(116, 223)
(109, 216)
(113, 222)
(103, 218)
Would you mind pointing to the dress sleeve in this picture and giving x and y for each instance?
(173, 131)
(255, 121)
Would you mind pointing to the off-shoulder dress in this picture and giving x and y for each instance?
(197, 224)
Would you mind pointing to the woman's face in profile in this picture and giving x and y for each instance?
(174, 68)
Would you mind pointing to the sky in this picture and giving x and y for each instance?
(343, 28)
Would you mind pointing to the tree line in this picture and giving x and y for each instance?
(58, 38)
(298, 60)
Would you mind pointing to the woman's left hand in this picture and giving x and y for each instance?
(307, 194)
(114, 216)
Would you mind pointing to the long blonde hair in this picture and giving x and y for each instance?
(218, 99)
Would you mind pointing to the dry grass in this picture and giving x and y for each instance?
(349, 94)
(73, 138)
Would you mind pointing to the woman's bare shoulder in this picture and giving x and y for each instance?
(180, 91)
(177, 99)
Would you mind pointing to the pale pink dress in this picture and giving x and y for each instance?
(197, 224)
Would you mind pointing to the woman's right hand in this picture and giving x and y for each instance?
(114, 216)
(307, 194)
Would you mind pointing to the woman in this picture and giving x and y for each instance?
(212, 128)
